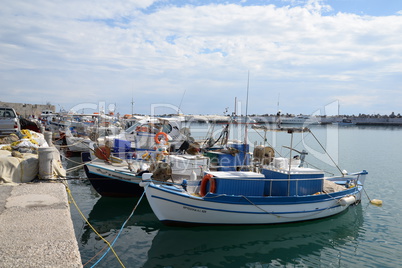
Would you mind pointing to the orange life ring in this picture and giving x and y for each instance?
(165, 136)
(212, 186)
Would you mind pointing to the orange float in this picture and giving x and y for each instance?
(212, 186)
(165, 137)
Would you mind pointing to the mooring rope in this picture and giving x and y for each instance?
(86, 220)
(121, 229)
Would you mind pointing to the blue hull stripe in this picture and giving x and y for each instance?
(268, 200)
(242, 212)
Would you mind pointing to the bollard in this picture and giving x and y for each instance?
(48, 137)
(45, 156)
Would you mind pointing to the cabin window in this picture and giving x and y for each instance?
(167, 128)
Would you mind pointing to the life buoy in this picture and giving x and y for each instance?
(212, 186)
(165, 137)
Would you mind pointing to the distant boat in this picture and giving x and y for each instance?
(345, 122)
(282, 191)
(299, 120)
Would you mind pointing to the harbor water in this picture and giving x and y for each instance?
(363, 236)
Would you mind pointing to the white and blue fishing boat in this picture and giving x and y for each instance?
(161, 146)
(120, 178)
(154, 145)
(283, 190)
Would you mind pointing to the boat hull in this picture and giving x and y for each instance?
(112, 183)
(116, 180)
(176, 207)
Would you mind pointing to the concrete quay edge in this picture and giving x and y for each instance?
(36, 227)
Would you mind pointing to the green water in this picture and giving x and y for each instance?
(362, 236)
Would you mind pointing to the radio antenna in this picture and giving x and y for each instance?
(182, 97)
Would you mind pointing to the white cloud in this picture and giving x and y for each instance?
(111, 48)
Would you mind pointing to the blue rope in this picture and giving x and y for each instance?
(121, 229)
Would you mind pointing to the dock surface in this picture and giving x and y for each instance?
(36, 227)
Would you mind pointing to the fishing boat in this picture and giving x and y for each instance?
(120, 178)
(154, 145)
(171, 156)
(279, 190)
(141, 134)
(78, 139)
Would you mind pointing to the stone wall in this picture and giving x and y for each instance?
(25, 109)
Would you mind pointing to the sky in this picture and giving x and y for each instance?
(203, 57)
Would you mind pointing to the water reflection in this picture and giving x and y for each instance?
(147, 243)
(244, 246)
(109, 214)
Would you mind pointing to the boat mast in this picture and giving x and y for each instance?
(277, 104)
(245, 128)
(235, 108)
(182, 97)
(132, 106)
(245, 125)
(290, 158)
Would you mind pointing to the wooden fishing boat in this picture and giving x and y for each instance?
(283, 190)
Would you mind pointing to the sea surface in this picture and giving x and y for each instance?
(363, 236)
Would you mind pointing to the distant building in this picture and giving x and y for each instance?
(26, 110)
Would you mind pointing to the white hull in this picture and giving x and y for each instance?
(299, 121)
(182, 167)
(116, 179)
(179, 207)
(115, 171)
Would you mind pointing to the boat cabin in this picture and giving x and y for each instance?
(276, 179)
(291, 180)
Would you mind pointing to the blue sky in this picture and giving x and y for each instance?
(304, 55)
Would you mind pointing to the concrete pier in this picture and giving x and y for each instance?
(36, 229)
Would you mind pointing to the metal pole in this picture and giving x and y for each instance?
(290, 159)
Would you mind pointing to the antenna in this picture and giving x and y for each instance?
(132, 106)
(277, 110)
(182, 97)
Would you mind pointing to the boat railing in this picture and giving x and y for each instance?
(265, 179)
(267, 186)
(356, 177)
